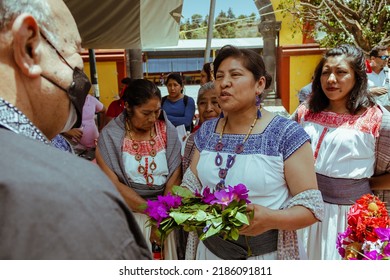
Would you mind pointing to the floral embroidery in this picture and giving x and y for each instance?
(144, 149)
(368, 122)
(281, 136)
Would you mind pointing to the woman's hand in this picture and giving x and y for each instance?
(154, 237)
(75, 134)
(260, 222)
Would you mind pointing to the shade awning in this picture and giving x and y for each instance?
(127, 24)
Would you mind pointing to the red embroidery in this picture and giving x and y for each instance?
(368, 122)
(320, 142)
(145, 147)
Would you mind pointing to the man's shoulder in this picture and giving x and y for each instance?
(63, 205)
(23, 157)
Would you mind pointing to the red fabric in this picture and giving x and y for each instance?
(368, 66)
(116, 107)
(195, 128)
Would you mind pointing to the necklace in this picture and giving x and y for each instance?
(230, 158)
(144, 169)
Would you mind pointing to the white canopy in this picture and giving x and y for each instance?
(127, 24)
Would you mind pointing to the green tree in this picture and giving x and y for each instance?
(225, 24)
(196, 28)
(196, 21)
(364, 23)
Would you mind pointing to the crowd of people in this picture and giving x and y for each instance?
(303, 173)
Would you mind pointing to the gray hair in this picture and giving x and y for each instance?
(206, 87)
(39, 9)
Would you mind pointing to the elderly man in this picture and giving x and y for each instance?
(53, 205)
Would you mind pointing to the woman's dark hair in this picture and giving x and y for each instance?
(207, 69)
(140, 91)
(250, 60)
(359, 96)
(175, 76)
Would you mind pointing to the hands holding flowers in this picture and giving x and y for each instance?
(221, 212)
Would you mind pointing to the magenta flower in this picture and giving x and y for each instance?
(159, 209)
(170, 201)
(223, 197)
(373, 255)
(240, 192)
(197, 193)
(386, 250)
(383, 233)
(341, 237)
(208, 196)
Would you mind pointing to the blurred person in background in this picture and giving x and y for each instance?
(206, 74)
(179, 108)
(379, 77)
(116, 107)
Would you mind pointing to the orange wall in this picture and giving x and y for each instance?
(110, 67)
(295, 67)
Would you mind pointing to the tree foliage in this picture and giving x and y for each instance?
(226, 25)
(364, 23)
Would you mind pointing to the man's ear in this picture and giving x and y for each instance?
(26, 37)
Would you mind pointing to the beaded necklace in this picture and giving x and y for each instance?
(230, 158)
(144, 170)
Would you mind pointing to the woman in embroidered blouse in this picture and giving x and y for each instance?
(344, 124)
(140, 152)
(270, 154)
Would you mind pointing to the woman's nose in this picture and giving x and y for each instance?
(332, 78)
(209, 106)
(225, 81)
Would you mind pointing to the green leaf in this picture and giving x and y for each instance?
(166, 224)
(143, 207)
(210, 232)
(216, 221)
(242, 218)
(201, 216)
(180, 217)
(182, 191)
(234, 234)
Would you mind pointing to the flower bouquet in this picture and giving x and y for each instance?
(368, 232)
(221, 212)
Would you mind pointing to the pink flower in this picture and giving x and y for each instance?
(383, 233)
(239, 192)
(171, 201)
(373, 255)
(341, 241)
(223, 197)
(208, 196)
(386, 250)
(159, 209)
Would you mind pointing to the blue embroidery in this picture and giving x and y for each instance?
(281, 137)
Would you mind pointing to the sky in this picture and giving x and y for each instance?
(202, 7)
